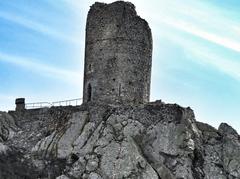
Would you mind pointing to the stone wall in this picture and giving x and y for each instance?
(118, 55)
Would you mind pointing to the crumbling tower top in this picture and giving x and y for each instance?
(118, 55)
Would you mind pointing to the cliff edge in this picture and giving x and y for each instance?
(154, 140)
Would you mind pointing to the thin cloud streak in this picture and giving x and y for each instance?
(227, 66)
(208, 58)
(202, 55)
(38, 27)
(191, 29)
(193, 18)
(178, 18)
(42, 69)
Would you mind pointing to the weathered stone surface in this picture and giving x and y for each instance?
(154, 140)
(109, 141)
(118, 55)
(231, 150)
(8, 127)
(62, 177)
(94, 176)
(221, 148)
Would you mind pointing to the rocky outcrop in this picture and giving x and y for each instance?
(7, 127)
(20, 131)
(221, 149)
(155, 140)
(108, 140)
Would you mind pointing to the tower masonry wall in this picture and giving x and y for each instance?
(118, 55)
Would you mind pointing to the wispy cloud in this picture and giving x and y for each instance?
(42, 69)
(198, 18)
(209, 58)
(197, 31)
(38, 27)
(227, 66)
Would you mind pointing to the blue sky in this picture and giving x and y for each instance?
(196, 56)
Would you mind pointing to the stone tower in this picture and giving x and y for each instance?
(118, 55)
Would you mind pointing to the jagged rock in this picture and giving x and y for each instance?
(227, 130)
(62, 177)
(78, 168)
(92, 163)
(222, 151)
(155, 140)
(132, 139)
(150, 141)
(8, 127)
(94, 176)
(230, 150)
(4, 149)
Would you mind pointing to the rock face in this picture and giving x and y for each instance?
(102, 139)
(154, 140)
(118, 55)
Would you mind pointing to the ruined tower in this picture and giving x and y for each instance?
(118, 55)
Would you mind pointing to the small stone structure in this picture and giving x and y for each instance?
(118, 55)
(20, 104)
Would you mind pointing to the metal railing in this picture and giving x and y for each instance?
(71, 102)
(37, 105)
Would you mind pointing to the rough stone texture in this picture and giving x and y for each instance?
(7, 126)
(20, 104)
(105, 141)
(93, 141)
(20, 132)
(118, 55)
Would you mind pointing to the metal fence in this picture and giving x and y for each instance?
(71, 102)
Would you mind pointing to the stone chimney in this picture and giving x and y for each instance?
(20, 104)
